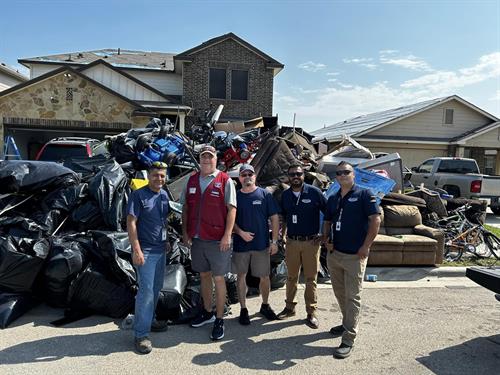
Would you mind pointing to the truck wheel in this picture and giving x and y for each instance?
(496, 210)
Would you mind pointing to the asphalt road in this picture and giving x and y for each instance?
(440, 326)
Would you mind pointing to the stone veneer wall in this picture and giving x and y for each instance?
(229, 55)
(49, 100)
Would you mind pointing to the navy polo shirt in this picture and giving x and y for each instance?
(151, 210)
(356, 206)
(305, 208)
(252, 215)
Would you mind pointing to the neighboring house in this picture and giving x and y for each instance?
(448, 126)
(10, 77)
(133, 86)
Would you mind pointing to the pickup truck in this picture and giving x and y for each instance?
(460, 177)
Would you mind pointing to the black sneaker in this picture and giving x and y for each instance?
(159, 326)
(218, 330)
(343, 351)
(205, 317)
(244, 319)
(268, 312)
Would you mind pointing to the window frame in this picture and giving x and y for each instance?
(446, 111)
(247, 84)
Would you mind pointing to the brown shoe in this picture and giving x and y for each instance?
(312, 321)
(286, 313)
(143, 345)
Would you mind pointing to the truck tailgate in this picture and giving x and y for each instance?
(490, 186)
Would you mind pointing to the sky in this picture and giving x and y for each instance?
(342, 58)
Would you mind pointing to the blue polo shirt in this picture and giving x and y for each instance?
(302, 211)
(151, 210)
(352, 212)
(252, 215)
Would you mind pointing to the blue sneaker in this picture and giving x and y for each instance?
(218, 330)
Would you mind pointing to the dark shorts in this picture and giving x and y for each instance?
(259, 260)
(207, 257)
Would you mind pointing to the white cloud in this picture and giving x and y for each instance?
(332, 79)
(488, 67)
(312, 66)
(365, 62)
(408, 62)
(388, 51)
(332, 73)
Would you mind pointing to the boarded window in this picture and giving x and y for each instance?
(217, 85)
(239, 85)
(448, 116)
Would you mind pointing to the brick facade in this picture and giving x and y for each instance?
(229, 55)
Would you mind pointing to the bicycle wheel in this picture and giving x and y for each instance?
(480, 247)
(493, 242)
(452, 252)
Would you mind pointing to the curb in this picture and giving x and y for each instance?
(414, 273)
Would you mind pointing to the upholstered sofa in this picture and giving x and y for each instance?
(404, 240)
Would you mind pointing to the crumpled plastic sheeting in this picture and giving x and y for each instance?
(26, 176)
(13, 305)
(21, 259)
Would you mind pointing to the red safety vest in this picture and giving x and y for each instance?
(207, 213)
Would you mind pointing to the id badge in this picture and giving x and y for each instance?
(163, 234)
(294, 219)
(337, 226)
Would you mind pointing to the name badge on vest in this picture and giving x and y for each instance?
(215, 193)
(192, 190)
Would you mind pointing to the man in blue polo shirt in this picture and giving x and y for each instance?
(251, 240)
(354, 216)
(147, 231)
(301, 205)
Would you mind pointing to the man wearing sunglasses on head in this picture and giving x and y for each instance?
(208, 214)
(147, 231)
(251, 240)
(301, 205)
(354, 216)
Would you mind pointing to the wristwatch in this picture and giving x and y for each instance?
(274, 242)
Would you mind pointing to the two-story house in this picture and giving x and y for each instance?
(94, 93)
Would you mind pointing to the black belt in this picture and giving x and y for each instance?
(302, 238)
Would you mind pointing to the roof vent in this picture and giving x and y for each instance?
(80, 55)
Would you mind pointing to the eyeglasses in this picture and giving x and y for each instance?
(159, 164)
(249, 174)
(345, 172)
(295, 174)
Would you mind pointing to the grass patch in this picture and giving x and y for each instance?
(494, 230)
(466, 261)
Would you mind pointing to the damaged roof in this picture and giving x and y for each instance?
(120, 58)
(361, 125)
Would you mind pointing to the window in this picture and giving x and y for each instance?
(217, 84)
(448, 116)
(426, 166)
(239, 84)
(458, 166)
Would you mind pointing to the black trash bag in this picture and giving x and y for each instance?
(25, 176)
(174, 284)
(92, 292)
(191, 302)
(48, 222)
(107, 188)
(88, 167)
(86, 217)
(21, 260)
(323, 272)
(232, 288)
(179, 254)
(20, 226)
(13, 306)
(65, 199)
(113, 253)
(279, 256)
(66, 259)
(279, 275)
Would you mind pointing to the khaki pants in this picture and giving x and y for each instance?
(305, 254)
(347, 273)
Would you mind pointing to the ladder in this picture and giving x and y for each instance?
(10, 144)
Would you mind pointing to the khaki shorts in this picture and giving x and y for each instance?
(259, 260)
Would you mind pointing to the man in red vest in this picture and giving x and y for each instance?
(208, 215)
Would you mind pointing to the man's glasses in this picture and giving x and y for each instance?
(244, 175)
(343, 173)
(295, 174)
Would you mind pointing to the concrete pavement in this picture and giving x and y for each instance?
(440, 325)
